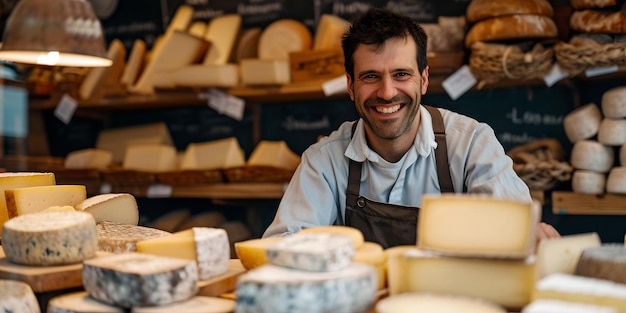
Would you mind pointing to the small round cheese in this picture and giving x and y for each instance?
(440, 303)
(612, 131)
(17, 296)
(592, 155)
(616, 182)
(614, 102)
(588, 182)
(607, 261)
(582, 122)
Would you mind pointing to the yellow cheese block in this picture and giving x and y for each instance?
(97, 76)
(221, 32)
(252, 252)
(274, 154)
(117, 139)
(212, 155)
(29, 200)
(394, 267)
(113, 207)
(59, 208)
(329, 32)
(197, 75)
(353, 233)
(151, 158)
(283, 36)
(135, 63)
(560, 255)
(265, 72)
(12, 180)
(478, 226)
(90, 158)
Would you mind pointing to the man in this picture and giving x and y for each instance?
(372, 173)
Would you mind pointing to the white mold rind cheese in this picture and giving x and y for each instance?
(614, 102)
(17, 296)
(588, 182)
(583, 122)
(312, 252)
(592, 156)
(612, 131)
(136, 279)
(119, 238)
(616, 181)
(79, 302)
(51, 238)
(277, 289)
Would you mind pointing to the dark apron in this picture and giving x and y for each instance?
(391, 224)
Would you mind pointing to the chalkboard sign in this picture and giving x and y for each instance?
(136, 19)
(423, 11)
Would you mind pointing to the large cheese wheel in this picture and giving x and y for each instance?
(592, 155)
(282, 37)
(588, 182)
(614, 102)
(247, 44)
(17, 296)
(312, 252)
(595, 21)
(511, 27)
(424, 302)
(612, 131)
(607, 261)
(481, 9)
(616, 181)
(588, 4)
(583, 122)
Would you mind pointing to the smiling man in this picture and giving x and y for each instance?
(372, 173)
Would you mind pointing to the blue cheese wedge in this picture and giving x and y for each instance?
(17, 296)
(312, 252)
(79, 302)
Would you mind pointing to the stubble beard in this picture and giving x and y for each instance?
(389, 129)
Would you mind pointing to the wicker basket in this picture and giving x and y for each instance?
(257, 174)
(576, 59)
(190, 177)
(124, 177)
(91, 178)
(491, 62)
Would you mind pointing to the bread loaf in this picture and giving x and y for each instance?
(481, 9)
(589, 4)
(512, 27)
(593, 21)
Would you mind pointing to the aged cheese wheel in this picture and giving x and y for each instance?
(614, 102)
(247, 44)
(312, 252)
(79, 302)
(583, 122)
(612, 131)
(616, 182)
(588, 4)
(17, 296)
(283, 36)
(594, 21)
(481, 9)
(120, 238)
(588, 182)
(510, 27)
(607, 261)
(425, 302)
(592, 155)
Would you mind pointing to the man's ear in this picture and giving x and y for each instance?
(350, 86)
(425, 76)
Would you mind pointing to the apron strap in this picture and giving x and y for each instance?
(441, 153)
(354, 178)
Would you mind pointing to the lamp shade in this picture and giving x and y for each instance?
(55, 33)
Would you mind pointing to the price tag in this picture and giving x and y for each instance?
(226, 104)
(556, 74)
(159, 191)
(106, 188)
(65, 108)
(459, 82)
(335, 86)
(601, 70)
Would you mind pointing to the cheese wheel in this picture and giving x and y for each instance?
(17, 296)
(612, 131)
(616, 181)
(424, 302)
(372, 253)
(196, 304)
(607, 261)
(252, 252)
(79, 302)
(589, 4)
(583, 122)
(588, 182)
(596, 21)
(614, 103)
(113, 207)
(394, 267)
(120, 238)
(560, 255)
(353, 233)
(247, 45)
(511, 27)
(50, 238)
(557, 306)
(283, 36)
(312, 252)
(481, 9)
(592, 156)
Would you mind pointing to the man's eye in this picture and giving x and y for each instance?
(403, 76)
(369, 78)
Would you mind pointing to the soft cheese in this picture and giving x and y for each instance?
(17, 296)
(114, 207)
(211, 155)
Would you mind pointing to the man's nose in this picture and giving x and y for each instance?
(386, 88)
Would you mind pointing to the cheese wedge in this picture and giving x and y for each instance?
(135, 63)
(252, 252)
(97, 76)
(265, 72)
(12, 180)
(113, 207)
(329, 32)
(116, 140)
(560, 255)
(274, 154)
(211, 155)
(29, 200)
(221, 32)
(247, 45)
(121, 238)
(197, 28)
(153, 158)
(88, 159)
(283, 36)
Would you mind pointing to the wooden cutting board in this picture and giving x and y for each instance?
(224, 283)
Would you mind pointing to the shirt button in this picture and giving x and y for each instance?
(360, 202)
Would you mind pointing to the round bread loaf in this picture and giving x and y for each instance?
(590, 4)
(607, 261)
(511, 27)
(481, 9)
(612, 131)
(583, 122)
(594, 21)
(614, 102)
(588, 182)
(616, 182)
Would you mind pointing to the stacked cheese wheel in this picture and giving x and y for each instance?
(596, 134)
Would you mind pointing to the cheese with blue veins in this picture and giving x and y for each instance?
(17, 296)
(312, 252)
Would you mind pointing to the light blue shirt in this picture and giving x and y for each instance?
(316, 195)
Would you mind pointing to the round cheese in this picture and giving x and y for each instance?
(312, 252)
(612, 131)
(596, 21)
(50, 238)
(607, 261)
(511, 27)
(372, 253)
(424, 302)
(614, 102)
(583, 122)
(79, 302)
(252, 252)
(247, 44)
(616, 182)
(588, 182)
(197, 304)
(481, 9)
(17, 296)
(592, 155)
(283, 36)
(113, 207)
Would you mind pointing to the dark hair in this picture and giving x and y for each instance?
(376, 26)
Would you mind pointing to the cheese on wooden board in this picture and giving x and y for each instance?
(247, 45)
(312, 252)
(583, 122)
(197, 28)
(12, 180)
(202, 75)
(117, 139)
(135, 63)
(208, 247)
(96, 77)
(137, 279)
(283, 36)
(592, 156)
(556, 306)
(79, 302)
(90, 158)
(560, 255)
(616, 181)
(211, 155)
(154, 158)
(511, 27)
(440, 303)
(329, 32)
(113, 207)
(351, 232)
(252, 252)
(614, 102)
(265, 72)
(506, 282)
(51, 238)
(28, 200)
(277, 289)
(120, 238)
(221, 32)
(612, 131)
(575, 288)
(481, 9)
(17, 296)
(477, 226)
(588, 182)
(274, 154)
(607, 261)
(197, 304)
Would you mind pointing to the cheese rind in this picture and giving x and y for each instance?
(440, 303)
(583, 122)
(197, 304)
(12, 180)
(154, 158)
(50, 238)
(353, 233)
(616, 181)
(592, 156)
(29, 200)
(612, 131)
(614, 102)
(120, 238)
(588, 182)
(560, 255)
(252, 252)
(136, 279)
(17, 296)
(114, 207)
(79, 302)
(312, 252)
(607, 261)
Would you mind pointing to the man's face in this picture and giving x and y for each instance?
(387, 86)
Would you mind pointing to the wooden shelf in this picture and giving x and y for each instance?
(575, 203)
(218, 191)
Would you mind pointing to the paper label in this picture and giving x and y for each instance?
(226, 104)
(556, 74)
(159, 191)
(601, 70)
(65, 109)
(459, 82)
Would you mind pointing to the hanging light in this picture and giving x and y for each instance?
(55, 33)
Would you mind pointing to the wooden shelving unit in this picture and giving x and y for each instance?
(574, 203)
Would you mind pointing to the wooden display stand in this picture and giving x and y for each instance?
(575, 203)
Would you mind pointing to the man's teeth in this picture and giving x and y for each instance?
(388, 109)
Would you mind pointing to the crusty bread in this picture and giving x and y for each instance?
(590, 4)
(512, 27)
(594, 21)
(481, 9)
